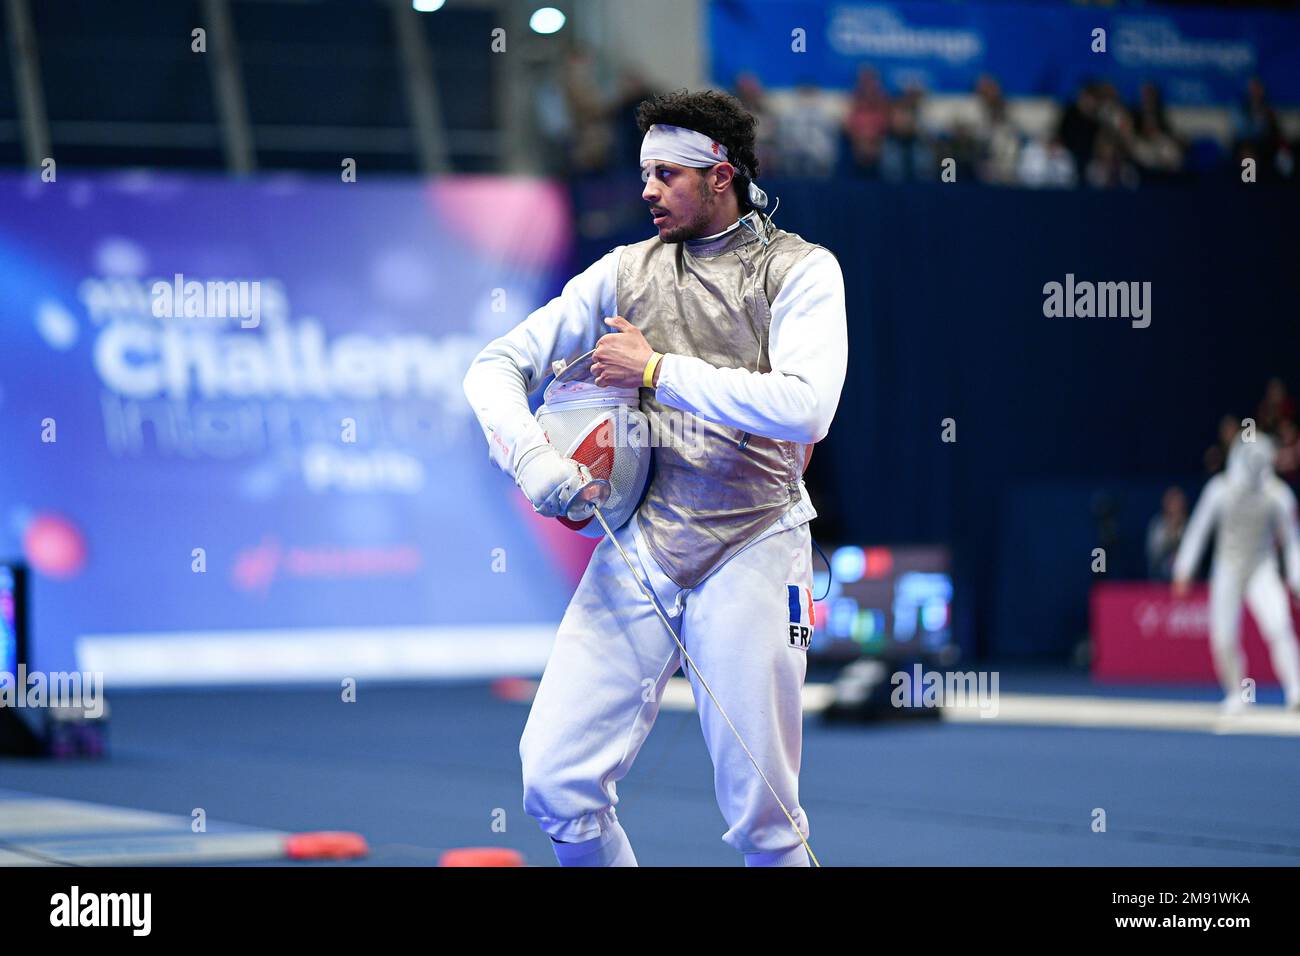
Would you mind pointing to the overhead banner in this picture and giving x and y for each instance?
(1196, 57)
(235, 442)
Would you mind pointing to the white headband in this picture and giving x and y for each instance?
(685, 147)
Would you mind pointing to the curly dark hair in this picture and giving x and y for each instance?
(719, 115)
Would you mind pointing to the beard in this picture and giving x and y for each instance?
(698, 223)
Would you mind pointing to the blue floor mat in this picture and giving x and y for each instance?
(421, 769)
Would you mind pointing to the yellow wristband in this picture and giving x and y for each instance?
(648, 377)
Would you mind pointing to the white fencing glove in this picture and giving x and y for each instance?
(552, 483)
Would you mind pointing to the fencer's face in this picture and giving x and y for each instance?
(681, 203)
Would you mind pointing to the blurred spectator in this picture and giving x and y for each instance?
(1079, 125)
(1275, 407)
(1098, 141)
(867, 122)
(1288, 452)
(750, 92)
(808, 135)
(1165, 533)
(1216, 456)
(907, 154)
(554, 124)
(1109, 167)
(1153, 146)
(1112, 114)
(1256, 119)
(999, 140)
(962, 144)
(1259, 135)
(633, 87)
(1094, 128)
(591, 135)
(1047, 164)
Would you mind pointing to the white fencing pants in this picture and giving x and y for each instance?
(612, 657)
(1265, 595)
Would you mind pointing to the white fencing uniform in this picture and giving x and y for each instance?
(600, 693)
(1251, 511)
(612, 657)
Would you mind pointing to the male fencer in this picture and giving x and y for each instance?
(727, 321)
(1251, 512)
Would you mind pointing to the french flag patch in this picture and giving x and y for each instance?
(802, 616)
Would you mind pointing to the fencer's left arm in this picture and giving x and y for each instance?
(1288, 534)
(808, 350)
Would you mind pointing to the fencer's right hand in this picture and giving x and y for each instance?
(1182, 587)
(549, 480)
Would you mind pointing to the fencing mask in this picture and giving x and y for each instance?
(603, 429)
(1250, 462)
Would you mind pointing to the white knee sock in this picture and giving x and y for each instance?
(795, 856)
(611, 848)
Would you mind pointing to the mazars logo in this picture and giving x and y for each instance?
(880, 32)
(1179, 619)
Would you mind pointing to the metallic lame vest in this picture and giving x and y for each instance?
(714, 488)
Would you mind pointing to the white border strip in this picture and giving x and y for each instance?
(191, 658)
(1052, 710)
(1046, 710)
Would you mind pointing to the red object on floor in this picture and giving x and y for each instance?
(481, 856)
(326, 845)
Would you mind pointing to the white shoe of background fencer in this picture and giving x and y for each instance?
(1232, 706)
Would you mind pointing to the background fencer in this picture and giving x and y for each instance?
(1251, 512)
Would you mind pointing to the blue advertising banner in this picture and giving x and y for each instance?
(1197, 57)
(235, 444)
